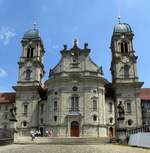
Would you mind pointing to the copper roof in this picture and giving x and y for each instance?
(145, 94)
(9, 97)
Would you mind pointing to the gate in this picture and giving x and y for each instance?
(6, 136)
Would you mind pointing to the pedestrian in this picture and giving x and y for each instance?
(33, 136)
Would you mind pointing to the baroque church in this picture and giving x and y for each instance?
(77, 100)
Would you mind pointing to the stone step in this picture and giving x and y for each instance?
(48, 140)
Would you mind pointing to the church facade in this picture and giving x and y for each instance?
(77, 100)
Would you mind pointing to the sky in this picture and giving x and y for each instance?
(62, 21)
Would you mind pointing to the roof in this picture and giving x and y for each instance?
(32, 33)
(122, 28)
(9, 97)
(145, 94)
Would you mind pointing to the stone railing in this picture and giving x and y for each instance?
(145, 128)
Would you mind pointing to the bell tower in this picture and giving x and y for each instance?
(31, 69)
(125, 80)
(31, 72)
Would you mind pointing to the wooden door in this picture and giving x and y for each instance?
(110, 132)
(74, 131)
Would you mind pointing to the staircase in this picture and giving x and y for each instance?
(64, 141)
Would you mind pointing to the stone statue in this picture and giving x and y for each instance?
(85, 45)
(65, 47)
(50, 73)
(120, 108)
(13, 114)
(101, 70)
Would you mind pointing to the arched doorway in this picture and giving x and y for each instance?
(41, 131)
(74, 130)
(110, 132)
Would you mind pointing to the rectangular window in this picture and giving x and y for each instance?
(75, 104)
(25, 109)
(55, 105)
(128, 107)
(94, 105)
(28, 74)
(126, 71)
(110, 107)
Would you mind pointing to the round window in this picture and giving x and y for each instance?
(75, 89)
(130, 122)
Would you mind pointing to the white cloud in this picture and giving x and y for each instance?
(55, 46)
(6, 33)
(3, 73)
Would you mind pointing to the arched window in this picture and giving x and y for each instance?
(124, 47)
(94, 105)
(130, 122)
(30, 52)
(24, 123)
(74, 103)
(126, 71)
(55, 118)
(111, 120)
(28, 74)
(32, 49)
(94, 117)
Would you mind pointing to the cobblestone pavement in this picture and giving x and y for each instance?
(102, 148)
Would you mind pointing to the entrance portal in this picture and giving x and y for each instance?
(110, 132)
(74, 129)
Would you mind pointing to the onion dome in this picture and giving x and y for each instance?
(32, 33)
(122, 28)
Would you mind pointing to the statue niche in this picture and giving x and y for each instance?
(121, 112)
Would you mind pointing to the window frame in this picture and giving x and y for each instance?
(55, 105)
(25, 109)
(28, 74)
(74, 103)
(110, 107)
(94, 105)
(126, 72)
(129, 108)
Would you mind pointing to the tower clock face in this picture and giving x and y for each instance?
(125, 59)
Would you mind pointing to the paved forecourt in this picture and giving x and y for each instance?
(102, 148)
